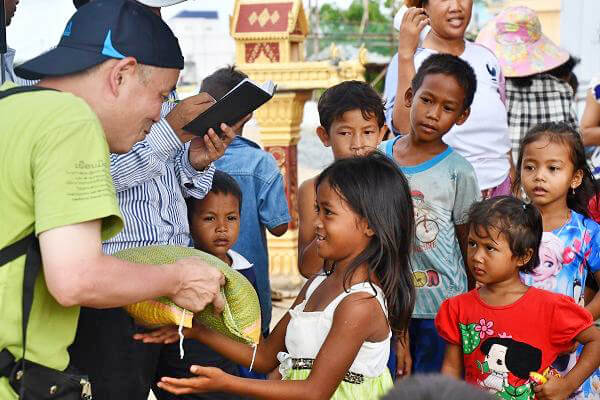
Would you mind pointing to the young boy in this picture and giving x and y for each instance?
(214, 225)
(444, 187)
(264, 204)
(352, 124)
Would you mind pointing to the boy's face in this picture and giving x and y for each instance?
(215, 224)
(351, 135)
(435, 107)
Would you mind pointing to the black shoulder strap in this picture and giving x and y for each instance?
(29, 246)
(20, 89)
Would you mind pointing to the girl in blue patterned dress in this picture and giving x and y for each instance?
(553, 173)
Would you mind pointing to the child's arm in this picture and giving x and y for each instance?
(588, 362)
(278, 230)
(462, 234)
(403, 357)
(594, 306)
(413, 22)
(309, 262)
(453, 361)
(356, 319)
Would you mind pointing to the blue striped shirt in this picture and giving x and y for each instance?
(152, 181)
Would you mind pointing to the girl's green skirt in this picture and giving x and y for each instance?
(371, 388)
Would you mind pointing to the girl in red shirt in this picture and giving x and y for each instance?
(501, 332)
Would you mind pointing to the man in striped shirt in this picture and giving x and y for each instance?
(152, 181)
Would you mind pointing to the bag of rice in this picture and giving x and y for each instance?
(240, 319)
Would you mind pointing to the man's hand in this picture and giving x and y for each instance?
(186, 111)
(211, 147)
(200, 285)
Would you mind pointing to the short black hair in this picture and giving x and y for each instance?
(434, 387)
(521, 358)
(449, 65)
(519, 222)
(348, 96)
(222, 81)
(222, 183)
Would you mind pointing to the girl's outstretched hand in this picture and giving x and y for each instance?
(209, 379)
(554, 389)
(162, 335)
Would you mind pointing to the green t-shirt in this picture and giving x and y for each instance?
(54, 171)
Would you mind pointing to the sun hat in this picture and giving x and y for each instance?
(240, 319)
(105, 29)
(515, 36)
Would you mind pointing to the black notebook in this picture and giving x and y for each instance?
(240, 101)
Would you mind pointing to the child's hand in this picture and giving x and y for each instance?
(403, 358)
(209, 379)
(413, 22)
(554, 389)
(162, 335)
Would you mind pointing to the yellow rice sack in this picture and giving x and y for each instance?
(240, 319)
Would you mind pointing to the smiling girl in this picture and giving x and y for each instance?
(335, 340)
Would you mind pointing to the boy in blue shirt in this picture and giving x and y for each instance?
(443, 186)
(264, 204)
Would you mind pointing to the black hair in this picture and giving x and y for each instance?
(348, 96)
(448, 65)
(79, 3)
(563, 133)
(521, 358)
(222, 81)
(562, 72)
(519, 222)
(435, 387)
(222, 183)
(375, 189)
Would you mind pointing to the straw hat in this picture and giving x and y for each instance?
(515, 36)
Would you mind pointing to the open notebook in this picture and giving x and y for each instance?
(240, 101)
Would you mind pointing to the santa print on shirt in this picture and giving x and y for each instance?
(502, 345)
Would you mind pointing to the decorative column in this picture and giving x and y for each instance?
(279, 121)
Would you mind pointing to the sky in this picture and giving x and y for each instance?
(38, 24)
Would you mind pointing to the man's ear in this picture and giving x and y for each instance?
(526, 258)
(462, 118)
(408, 98)
(122, 71)
(324, 136)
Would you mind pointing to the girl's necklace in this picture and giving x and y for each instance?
(330, 270)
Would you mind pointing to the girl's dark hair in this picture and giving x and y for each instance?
(519, 222)
(563, 133)
(375, 189)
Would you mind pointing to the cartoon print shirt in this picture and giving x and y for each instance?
(502, 345)
(443, 189)
(567, 254)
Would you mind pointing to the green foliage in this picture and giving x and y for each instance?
(341, 26)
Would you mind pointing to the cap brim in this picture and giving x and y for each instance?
(59, 61)
(523, 59)
(160, 3)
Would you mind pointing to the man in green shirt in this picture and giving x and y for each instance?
(114, 65)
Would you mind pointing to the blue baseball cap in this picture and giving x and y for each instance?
(105, 29)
